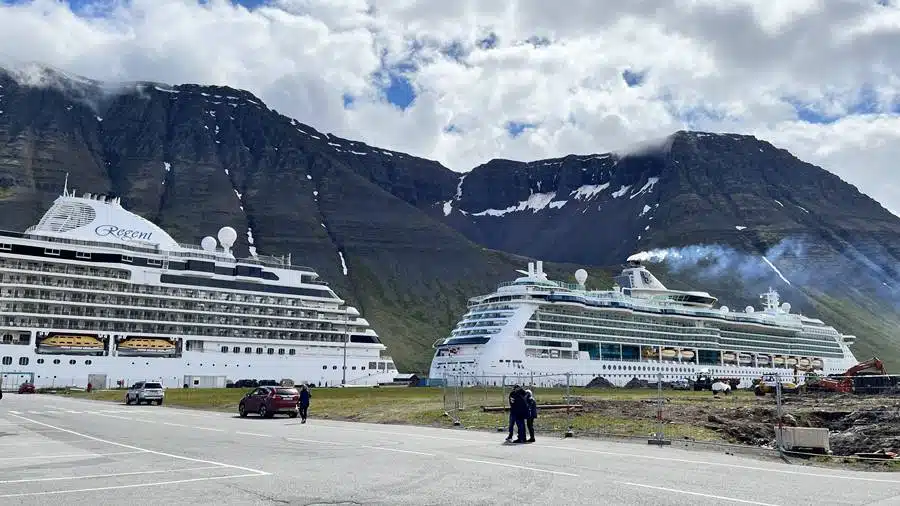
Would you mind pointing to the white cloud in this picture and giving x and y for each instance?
(725, 66)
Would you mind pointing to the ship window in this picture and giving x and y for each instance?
(292, 351)
(7, 360)
(40, 361)
(82, 255)
(248, 350)
(87, 362)
(281, 351)
(224, 349)
(56, 361)
(334, 367)
(372, 365)
(354, 368)
(127, 258)
(236, 349)
(72, 362)
(5, 246)
(51, 251)
(23, 361)
(154, 262)
(270, 351)
(324, 367)
(259, 351)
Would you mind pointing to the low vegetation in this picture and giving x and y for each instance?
(627, 413)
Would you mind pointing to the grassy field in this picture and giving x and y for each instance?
(617, 412)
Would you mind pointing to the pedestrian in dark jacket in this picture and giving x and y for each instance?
(518, 412)
(532, 413)
(512, 414)
(304, 402)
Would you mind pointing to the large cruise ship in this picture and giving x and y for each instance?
(537, 330)
(95, 293)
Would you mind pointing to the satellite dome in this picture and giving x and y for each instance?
(581, 276)
(724, 309)
(227, 236)
(749, 309)
(208, 243)
(786, 307)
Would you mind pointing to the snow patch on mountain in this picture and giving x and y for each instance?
(589, 191)
(535, 202)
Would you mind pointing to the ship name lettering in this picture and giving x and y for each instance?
(124, 234)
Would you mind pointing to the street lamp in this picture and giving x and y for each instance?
(344, 371)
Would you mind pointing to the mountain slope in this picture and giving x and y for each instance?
(196, 158)
(417, 239)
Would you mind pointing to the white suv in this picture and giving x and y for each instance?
(145, 391)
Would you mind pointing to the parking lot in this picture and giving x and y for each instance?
(40, 460)
(57, 450)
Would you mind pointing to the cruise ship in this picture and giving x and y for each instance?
(96, 294)
(537, 330)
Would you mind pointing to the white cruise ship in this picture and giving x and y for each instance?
(533, 328)
(95, 293)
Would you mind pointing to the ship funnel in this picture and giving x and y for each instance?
(540, 267)
(530, 269)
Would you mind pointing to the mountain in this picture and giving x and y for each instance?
(417, 239)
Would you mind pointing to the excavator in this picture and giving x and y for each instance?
(844, 382)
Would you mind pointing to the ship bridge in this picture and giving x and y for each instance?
(637, 281)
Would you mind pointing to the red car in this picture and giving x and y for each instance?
(26, 388)
(267, 401)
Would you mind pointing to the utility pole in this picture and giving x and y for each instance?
(344, 378)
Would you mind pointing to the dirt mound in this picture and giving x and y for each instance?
(600, 382)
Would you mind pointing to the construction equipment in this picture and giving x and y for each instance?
(767, 385)
(844, 382)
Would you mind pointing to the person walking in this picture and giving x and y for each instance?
(304, 402)
(520, 410)
(532, 414)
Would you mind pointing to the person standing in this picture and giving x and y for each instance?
(304, 402)
(520, 410)
(532, 414)
(512, 414)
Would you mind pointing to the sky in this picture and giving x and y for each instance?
(466, 81)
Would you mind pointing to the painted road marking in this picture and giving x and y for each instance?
(255, 434)
(164, 454)
(503, 464)
(70, 455)
(137, 485)
(723, 464)
(709, 496)
(397, 450)
(115, 475)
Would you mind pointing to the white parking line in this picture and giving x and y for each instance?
(698, 494)
(503, 464)
(397, 450)
(70, 455)
(137, 485)
(164, 454)
(108, 475)
(723, 464)
(315, 441)
(252, 434)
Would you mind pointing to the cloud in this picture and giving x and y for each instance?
(466, 81)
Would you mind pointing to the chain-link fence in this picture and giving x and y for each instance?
(800, 414)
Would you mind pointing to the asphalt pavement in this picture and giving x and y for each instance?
(57, 450)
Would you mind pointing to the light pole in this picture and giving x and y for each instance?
(344, 371)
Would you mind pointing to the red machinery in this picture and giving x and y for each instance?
(844, 382)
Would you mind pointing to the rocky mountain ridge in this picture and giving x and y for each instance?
(408, 240)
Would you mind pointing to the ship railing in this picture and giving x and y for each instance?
(194, 250)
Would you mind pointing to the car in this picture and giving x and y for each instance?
(268, 383)
(145, 391)
(26, 388)
(269, 401)
(246, 383)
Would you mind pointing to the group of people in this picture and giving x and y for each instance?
(522, 411)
